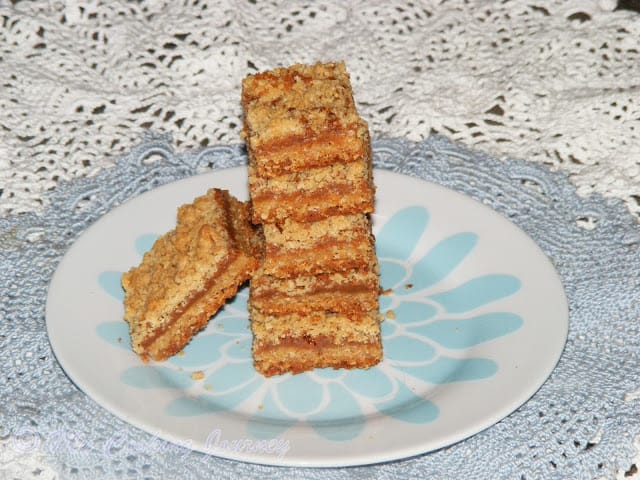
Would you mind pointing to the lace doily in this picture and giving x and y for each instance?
(580, 424)
(550, 81)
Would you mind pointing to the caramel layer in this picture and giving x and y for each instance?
(313, 205)
(210, 291)
(330, 257)
(179, 332)
(309, 341)
(350, 293)
(300, 152)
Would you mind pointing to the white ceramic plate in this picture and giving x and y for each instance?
(477, 321)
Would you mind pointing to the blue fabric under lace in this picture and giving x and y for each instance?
(580, 424)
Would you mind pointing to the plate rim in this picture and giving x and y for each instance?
(376, 457)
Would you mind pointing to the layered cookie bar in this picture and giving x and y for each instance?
(295, 342)
(324, 319)
(352, 292)
(339, 189)
(189, 273)
(309, 151)
(301, 117)
(333, 244)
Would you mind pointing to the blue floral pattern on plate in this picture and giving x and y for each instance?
(432, 320)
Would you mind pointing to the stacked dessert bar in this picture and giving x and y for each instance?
(314, 299)
(189, 273)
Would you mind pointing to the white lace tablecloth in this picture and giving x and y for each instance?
(549, 82)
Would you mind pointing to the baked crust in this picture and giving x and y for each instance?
(352, 292)
(292, 343)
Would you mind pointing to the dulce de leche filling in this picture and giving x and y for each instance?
(317, 149)
(195, 296)
(315, 342)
